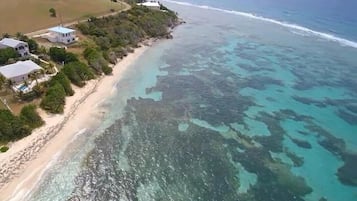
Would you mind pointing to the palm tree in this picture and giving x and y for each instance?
(9, 84)
(33, 76)
(2, 81)
(19, 35)
(6, 35)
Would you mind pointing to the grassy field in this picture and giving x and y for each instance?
(31, 15)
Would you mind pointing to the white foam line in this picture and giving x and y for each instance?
(20, 192)
(330, 37)
(78, 133)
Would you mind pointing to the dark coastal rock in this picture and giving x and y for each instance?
(347, 174)
(169, 36)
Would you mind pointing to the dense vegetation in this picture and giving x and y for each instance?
(60, 55)
(96, 60)
(78, 73)
(60, 86)
(6, 54)
(16, 127)
(116, 35)
(54, 99)
(30, 117)
(11, 127)
(64, 81)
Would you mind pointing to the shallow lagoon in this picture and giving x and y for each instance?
(231, 109)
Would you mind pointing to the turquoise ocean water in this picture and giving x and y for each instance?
(235, 107)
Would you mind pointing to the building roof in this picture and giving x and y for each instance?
(62, 30)
(10, 42)
(150, 4)
(19, 68)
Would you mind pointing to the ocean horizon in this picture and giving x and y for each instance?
(249, 101)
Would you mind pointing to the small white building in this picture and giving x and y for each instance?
(19, 72)
(155, 5)
(21, 47)
(61, 34)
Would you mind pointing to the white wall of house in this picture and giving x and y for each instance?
(23, 49)
(65, 38)
(21, 78)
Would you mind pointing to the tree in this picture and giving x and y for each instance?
(96, 60)
(19, 35)
(11, 127)
(64, 81)
(33, 45)
(52, 12)
(2, 81)
(54, 99)
(77, 72)
(61, 55)
(30, 116)
(107, 70)
(6, 35)
(6, 54)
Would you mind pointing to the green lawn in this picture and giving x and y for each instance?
(31, 15)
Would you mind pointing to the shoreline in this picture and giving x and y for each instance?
(38, 150)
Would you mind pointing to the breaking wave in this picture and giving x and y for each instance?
(326, 36)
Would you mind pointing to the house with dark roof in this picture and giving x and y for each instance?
(21, 47)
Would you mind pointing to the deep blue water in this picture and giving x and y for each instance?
(235, 107)
(337, 17)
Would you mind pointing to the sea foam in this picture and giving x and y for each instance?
(326, 36)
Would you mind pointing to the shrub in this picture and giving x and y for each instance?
(96, 60)
(77, 72)
(30, 116)
(33, 45)
(6, 54)
(107, 70)
(4, 149)
(54, 99)
(64, 81)
(11, 127)
(60, 55)
(52, 12)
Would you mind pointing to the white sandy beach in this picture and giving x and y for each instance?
(22, 166)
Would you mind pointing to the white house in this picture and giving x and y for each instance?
(19, 72)
(155, 5)
(21, 47)
(61, 34)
